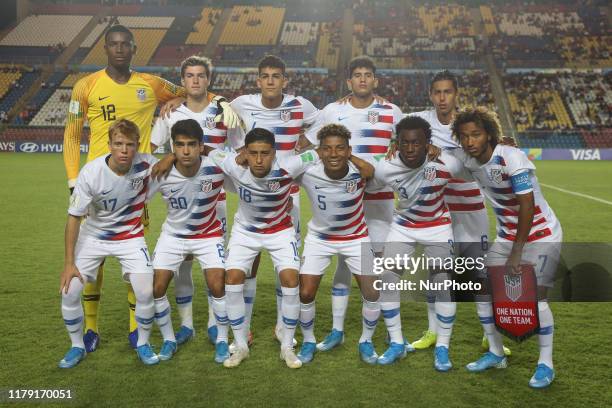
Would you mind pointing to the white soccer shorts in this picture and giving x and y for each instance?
(244, 246)
(133, 255)
(317, 255)
(170, 252)
(437, 241)
(378, 217)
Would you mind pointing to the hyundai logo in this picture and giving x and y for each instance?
(29, 147)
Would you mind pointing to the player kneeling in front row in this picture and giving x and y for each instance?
(527, 229)
(336, 189)
(191, 192)
(111, 191)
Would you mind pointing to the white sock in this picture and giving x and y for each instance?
(370, 312)
(145, 305)
(163, 318)
(431, 314)
(545, 333)
(279, 303)
(485, 314)
(234, 305)
(291, 314)
(307, 317)
(445, 315)
(340, 294)
(183, 291)
(221, 320)
(211, 313)
(72, 312)
(250, 289)
(391, 314)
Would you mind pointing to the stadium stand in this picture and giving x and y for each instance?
(204, 27)
(328, 50)
(589, 98)
(17, 89)
(45, 30)
(253, 25)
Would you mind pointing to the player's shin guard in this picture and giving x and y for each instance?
(163, 318)
(132, 307)
(72, 312)
(250, 290)
(545, 333)
(431, 313)
(145, 305)
(370, 312)
(307, 316)
(291, 313)
(183, 290)
(391, 315)
(485, 314)
(279, 303)
(234, 304)
(91, 300)
(219, 308)
(211, 314)
(445, 315)
(340, 294)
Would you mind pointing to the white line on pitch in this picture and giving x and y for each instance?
(601, 200)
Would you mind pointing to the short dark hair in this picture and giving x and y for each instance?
(196, 61)
(361, 61)
(481, 117)
(334, 130)
(444, 75)
(259, 135)
(271, 61)
(118, 28)
(413, 123)
(187, 127)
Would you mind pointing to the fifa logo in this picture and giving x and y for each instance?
(285, 115)
(210, 122)
(273, 185)
(513, 286)
(351, 186)
(206, 186)
(373, 117)
(141, 94)
(495, 175)
(429, 173)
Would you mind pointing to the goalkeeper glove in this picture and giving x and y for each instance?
(226, 113)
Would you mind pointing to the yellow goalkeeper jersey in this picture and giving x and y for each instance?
(102, 101)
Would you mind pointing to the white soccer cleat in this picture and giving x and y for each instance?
(288, 354)
(278, 334)
(235, 359)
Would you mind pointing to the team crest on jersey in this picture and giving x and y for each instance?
(210, 122)
(495, 175)
(373, 117)
(141, 94)
(273, 185)
(429, 173)
(206, 185)
(136, 183)
(285, 115)
(513, 286)
(351, 186)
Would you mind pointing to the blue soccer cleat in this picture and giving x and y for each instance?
(543, 377)
(133, 339)
(407, 344)
(212, 334)
(441, 361)
(307, 351)
(167, 350)
(72, 357)
(184, 335)
(91, 340)
(367, 352)
(146, 354)
(394, 352)
(333, 339)
(221, 352)
(488, 360)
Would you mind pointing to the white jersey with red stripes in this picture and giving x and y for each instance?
(215, 133)
(263, 206)
(337, 205)
(507, 174)
(461, 196)
(286, 121)
(112, 203)
(192, 201)
(420, 190)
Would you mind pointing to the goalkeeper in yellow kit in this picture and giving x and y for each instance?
(115, 92)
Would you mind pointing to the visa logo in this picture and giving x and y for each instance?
(585, 154)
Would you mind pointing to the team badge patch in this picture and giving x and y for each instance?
(141, 94)
(285, 115)
(372, 117)
(512, 283)
(206, 186)
(351, 186)
(273, 185)
(495, 175)
(210, 122)
(429, 173)
(136, 183)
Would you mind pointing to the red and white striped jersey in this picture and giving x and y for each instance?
(420, 191)
(507, 174)
(215, 133)
(113, 204)
(286, 121)
(337, 205)
(192, 201)
(264, 201)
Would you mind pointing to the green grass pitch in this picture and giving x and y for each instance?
(33, 338)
